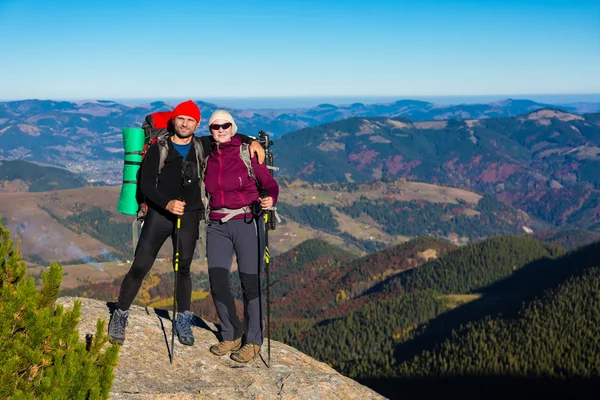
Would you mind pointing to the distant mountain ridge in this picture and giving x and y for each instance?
(59, 132)
(546, 162)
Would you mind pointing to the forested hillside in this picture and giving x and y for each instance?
(395, 309)
(325, 286)
(551, 344)
(39, 178)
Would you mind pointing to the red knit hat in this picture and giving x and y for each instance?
(189, 109)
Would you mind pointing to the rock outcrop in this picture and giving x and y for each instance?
(144, 370)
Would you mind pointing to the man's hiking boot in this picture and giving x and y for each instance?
(116, 326)
(246, 353)
(184, 329)
(224, 347)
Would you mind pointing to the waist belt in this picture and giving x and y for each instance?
(230, 213)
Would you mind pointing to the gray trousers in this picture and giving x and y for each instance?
(245, 238)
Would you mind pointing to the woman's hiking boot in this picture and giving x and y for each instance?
(246, 353)
(224, 347)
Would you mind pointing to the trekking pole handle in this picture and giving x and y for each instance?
(179, 198)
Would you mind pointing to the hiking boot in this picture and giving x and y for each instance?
(246, 353)
(116, 326)
(224, 347)
(184, 329)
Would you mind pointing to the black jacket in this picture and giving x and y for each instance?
(170, 185)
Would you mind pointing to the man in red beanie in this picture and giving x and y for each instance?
(172, 193)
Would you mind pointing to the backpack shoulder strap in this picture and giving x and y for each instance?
(201, 161)
(199, 149)
(163, 151)
(245, 156)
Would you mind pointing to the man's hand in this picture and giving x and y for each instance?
(176, 207)
(266, 203)
(256, 148)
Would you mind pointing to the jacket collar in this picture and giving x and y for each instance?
(234, 142)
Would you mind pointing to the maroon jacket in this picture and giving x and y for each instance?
(227, 180)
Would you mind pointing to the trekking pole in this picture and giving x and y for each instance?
(267, 262)
(178, 227)
(270, 224)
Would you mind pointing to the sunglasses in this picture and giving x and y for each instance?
(216, 127)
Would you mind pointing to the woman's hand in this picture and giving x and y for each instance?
(266, 203)
(176, 207)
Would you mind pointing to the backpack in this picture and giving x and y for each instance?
(157, 129)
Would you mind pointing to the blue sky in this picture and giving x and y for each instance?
(197, 49)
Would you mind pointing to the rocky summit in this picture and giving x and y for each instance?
(144, 370)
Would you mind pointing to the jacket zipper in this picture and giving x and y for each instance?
(221, 192)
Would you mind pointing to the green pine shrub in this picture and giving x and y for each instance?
(42, 356)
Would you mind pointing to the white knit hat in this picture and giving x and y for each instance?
(222, 114)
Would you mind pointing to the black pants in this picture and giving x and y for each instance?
(158, 226)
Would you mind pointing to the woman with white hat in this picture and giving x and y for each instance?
(234, 227)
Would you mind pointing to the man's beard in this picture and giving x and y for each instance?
(179, 135)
